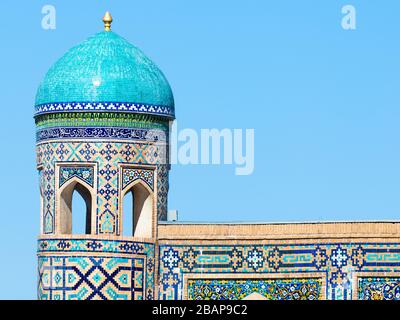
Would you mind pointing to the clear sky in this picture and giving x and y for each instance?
(324, 103)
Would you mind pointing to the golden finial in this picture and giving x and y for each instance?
(107, 19)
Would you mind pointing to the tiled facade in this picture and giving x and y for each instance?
(341, 268)
(95, 268)
(102, 116)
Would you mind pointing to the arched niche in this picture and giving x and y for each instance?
(141, 210)
(68, 213)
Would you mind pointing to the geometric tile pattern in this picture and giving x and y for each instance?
(162, 191)
(340, 262)
(97, 269)
(86, 174)
(132, 174)
(109, 155)
(376, 288)
(104, 106)
(90, 278)
(271, 289)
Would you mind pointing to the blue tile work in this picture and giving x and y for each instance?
(86, 174)
(130, 175)
(102, 116)
(379, 288)
(270, 289)
(338, 262)
(87, 269)
(109, 156)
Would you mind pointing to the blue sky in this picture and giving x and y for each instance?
(324, 103)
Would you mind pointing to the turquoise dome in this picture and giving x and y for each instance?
(105, 72)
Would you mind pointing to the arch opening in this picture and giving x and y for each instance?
(137, 212)
(75, 199)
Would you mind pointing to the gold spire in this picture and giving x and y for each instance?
(107, 19)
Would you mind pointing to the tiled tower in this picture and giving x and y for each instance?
(102, 115)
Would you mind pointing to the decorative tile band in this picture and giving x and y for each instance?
(101, 119)
(85, 174)
(269, 289)
(132, 174)
(94, 245)
(100, 133)
(105, 106)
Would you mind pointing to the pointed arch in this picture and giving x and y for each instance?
(66, 214)
(142, 209)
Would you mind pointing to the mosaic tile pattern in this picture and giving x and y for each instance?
(130, 175)
(98, 269)
(86, 174)
(340, 262)
(90, 278)
(376, 288)
(270, 289)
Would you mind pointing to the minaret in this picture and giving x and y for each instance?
(102, 117)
